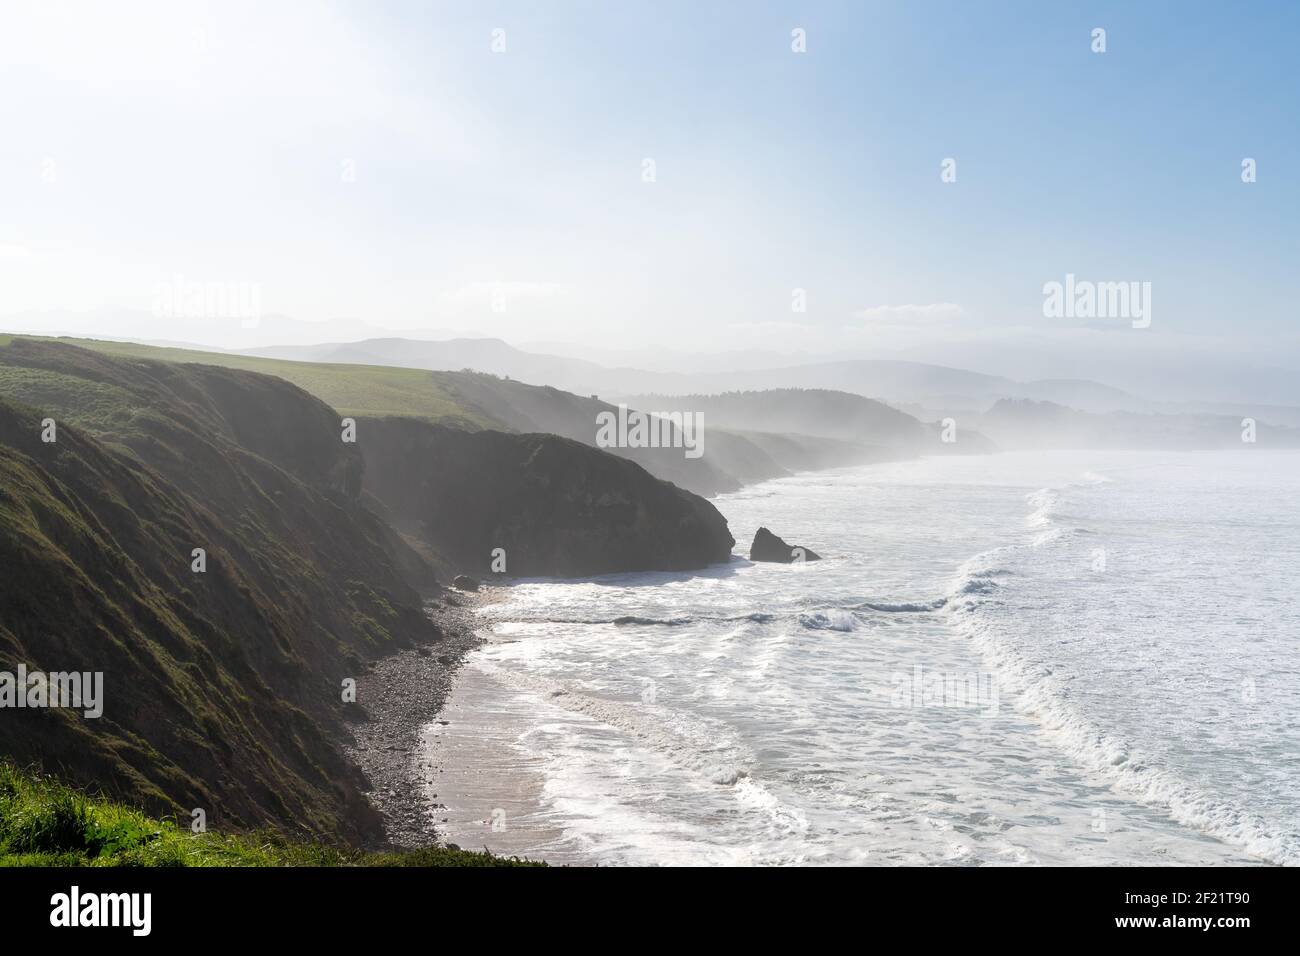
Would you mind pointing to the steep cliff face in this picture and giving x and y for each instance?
(553, 505)
(222, 689)
(167, 413)
(542, 409)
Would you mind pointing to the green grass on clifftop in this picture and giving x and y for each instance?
(357, 390)
(43, 823)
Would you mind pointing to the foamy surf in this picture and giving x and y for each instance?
(706, 750)
(1041, 694)
(754, 714)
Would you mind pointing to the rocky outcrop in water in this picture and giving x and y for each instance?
(768, 547)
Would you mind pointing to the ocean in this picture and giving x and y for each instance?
(1050, 658)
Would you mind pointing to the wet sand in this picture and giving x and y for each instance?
(488, 788)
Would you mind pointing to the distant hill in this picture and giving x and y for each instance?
(821, 413)
(934, 386)
(926, 390)
(493, 356)
(474, 400)
(937, 388)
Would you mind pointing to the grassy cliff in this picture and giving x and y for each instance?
(224, 685)
(222, 688)
(44, 823)
(749, 437)
(374, 390)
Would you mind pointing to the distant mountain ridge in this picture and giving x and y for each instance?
(820, 412)
(928, 390)
(879, 379)
(493, 356)
(473, 399)
(934, 390)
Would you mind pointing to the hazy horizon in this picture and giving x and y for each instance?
(1201, 372)
(559, 177)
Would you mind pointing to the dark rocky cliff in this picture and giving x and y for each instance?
(223, 689)
(556, 506)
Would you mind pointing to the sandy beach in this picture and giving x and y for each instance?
(488, 789)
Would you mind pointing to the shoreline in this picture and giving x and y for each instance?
(402, 694)
(486, 783)
(490, 786)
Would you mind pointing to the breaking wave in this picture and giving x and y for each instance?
(1043, 695)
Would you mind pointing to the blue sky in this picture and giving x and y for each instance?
(502, 193)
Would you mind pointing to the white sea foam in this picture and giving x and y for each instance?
(830, 619)
(1042, 693)
(750, 715)
(706, 750)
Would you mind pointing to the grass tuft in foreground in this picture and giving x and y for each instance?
(44, 823)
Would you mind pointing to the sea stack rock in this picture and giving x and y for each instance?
(463, 582)
(768, 547)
